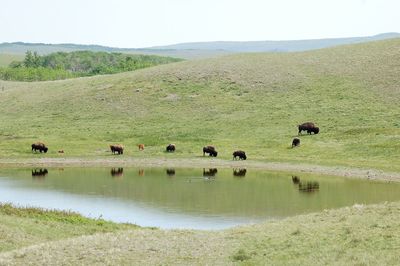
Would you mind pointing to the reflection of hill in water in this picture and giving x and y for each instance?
(260, 194)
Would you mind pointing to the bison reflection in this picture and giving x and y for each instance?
(210, 172)
(295, 179)
(309, 186)
(117, 172)
(39, 173)
(170, 172)
(241, 172)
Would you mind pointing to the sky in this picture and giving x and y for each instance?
(136, 24)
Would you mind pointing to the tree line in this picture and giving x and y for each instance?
(62, 65)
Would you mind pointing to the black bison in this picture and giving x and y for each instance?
(240, 154)
(239, 172)
(170, 172)
(295, 142)
(39, 146)
(117, 149)
(117, 172)
(210, 172)
(39, 172)
(210, 150)
(170, 148)
(309, 127)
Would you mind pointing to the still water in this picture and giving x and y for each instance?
(186, 198)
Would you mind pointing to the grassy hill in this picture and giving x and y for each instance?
(6, 59)
(355, 235)
(245, 101)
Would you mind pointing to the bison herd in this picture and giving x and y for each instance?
(310, 127)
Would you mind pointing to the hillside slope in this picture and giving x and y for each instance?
(246, 101)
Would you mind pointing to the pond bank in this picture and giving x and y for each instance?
(352, 235)
(372, 174)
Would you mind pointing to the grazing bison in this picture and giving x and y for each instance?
(170, 148)
(314, 130)
(117, 149)
(295, 142)
(210, 150)
(141, 147)
(240, 154)
(241, 172)
(39, 146)
(309, 127)
(117, 172)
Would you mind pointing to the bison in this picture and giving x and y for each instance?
(309, 127)
(170, 148)
(39, 146)
(117, 149)
(210, 150)
(240, 154)
(295, 142)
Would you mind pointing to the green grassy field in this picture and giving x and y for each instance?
(6, 59)
(252, 102)
(358, 235)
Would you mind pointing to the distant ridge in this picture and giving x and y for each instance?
(198, 49)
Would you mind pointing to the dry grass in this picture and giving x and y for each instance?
(352, 235)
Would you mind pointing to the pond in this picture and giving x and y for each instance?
(186, 198)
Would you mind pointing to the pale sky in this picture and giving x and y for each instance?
(134, 24)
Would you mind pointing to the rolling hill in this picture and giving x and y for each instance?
(197, 50)
(252, 102)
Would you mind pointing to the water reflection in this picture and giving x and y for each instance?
(117, 172)
(241, 172)
(170, 172)
(195, 198)
(307, 186)
(295, 179)
(310, 186)
(210, 172)
(39, 173)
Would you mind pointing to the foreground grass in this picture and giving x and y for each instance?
(251, 102)
(352, 235)
(21, 227)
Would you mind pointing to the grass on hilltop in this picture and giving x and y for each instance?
(252, 102)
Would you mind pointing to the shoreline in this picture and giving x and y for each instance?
(371, 174)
